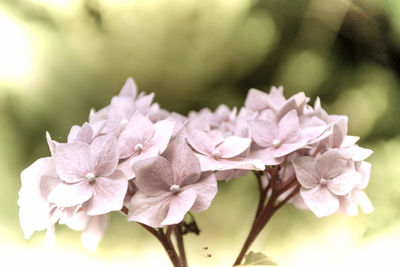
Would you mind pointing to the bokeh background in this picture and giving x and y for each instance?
(59, 58)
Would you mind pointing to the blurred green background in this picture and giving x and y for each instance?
(59, 58)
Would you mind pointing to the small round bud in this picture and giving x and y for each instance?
(276, 143)
(323, 181)
(138, 148)
(216, 154)
(91, 177)
(174, 188)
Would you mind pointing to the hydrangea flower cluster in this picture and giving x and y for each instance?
(155, 166)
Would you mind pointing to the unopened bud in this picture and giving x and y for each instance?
(276, 143)
(175, 188)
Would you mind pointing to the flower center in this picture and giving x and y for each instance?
(124, 121)
(138, 148)
(175, 188)
(276, 143)
(216, 154)
(91, 177)
(323, 181)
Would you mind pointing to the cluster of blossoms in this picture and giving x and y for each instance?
(156, 166)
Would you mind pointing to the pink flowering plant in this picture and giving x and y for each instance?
(155, 167)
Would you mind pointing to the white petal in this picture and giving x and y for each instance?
(94, 232)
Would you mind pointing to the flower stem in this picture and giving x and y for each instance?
(166, 243)
(266, 211)
(179, 241)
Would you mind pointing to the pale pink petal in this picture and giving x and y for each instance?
(73, 132)
(305, 171)
(121, 107)
(127, 141)
(72, 161)
(100, 115)
(266, 156)
(364, 202)
(143, 103)
(256, 100)
(108, 195)
(348, 205)
(82, 134)
(243, 163)
(298, 202)
(149, 210)
(316, 133)
(51, 143)
(94, 232)
(356, 153)
(286, 108)
(350, 140)
(289, 128)
(206, 189)
(141, 127)
(77, 221)
(216, 136)
(330, 164)
(34, 208)
(287, 148)
(119, 112)
(233, 146)
(339, 130)
(148, 152)
(126, 168)
(50, 238)
(163, 132)
(365, 170)
(154, 176)
(104, 155)
(129, 89)
(185, 165)
(68, 195)
(47, 184)
(200, 141)
(263, 132)
(344, 183)
(210, 164)
(320, 200)
(276, 99)
(229, 174)
(180, 204)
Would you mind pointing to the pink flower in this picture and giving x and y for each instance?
(141, 139)
(218, 153)
(349, 202)
(276, 141)
(260, 101)
(88, 176)
(170, 186)
(324, 180)
(36, 213)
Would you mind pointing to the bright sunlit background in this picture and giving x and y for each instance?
(59, 58)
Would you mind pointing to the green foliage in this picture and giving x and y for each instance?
(258, 259)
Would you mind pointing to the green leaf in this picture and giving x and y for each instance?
(257, 258)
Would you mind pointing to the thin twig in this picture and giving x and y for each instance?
(167, 244)
(179, 241)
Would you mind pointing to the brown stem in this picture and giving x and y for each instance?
(263, 193)
(167, 244)
(262, 217)
(266, 213)
(169, 231)
(181, 247)
(286, 199)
